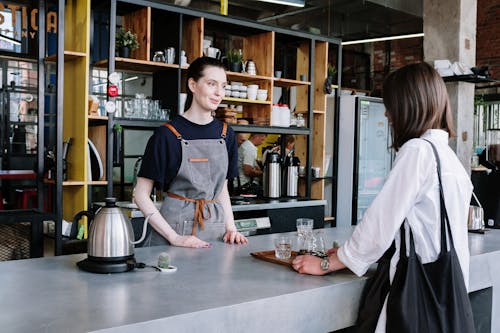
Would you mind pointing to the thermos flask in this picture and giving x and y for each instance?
(272, 175)
(291, 177)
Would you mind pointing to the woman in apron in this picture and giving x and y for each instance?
(191, 158)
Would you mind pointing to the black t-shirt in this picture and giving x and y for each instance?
(163, 155)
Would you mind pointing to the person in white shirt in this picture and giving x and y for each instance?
(249, 170)
(418, 107)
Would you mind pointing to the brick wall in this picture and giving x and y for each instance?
(488, 36)
(402, 52)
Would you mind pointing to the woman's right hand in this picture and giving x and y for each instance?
(189, 241)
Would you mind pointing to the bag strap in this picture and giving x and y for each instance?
(445, 222)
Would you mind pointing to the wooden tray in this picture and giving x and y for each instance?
(270, 257)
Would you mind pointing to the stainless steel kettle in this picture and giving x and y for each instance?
(110, 234)
(110, 244)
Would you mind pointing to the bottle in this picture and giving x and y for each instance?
(301, 122)
(275, 115)
(285, 115)
(183, 58)
(272, 175)
(291, 177)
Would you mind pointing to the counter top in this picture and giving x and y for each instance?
(238, 205)
(222, 289)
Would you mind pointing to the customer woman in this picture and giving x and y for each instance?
(417, 106)
(191, 159)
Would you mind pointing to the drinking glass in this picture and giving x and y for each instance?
(283, 247)
(304, 226)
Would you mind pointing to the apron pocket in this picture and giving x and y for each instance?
(199, 169)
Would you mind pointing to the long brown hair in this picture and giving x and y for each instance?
(416, 99)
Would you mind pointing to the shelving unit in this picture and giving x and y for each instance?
(187, 30)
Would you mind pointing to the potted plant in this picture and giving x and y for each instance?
(126, 41)
(234, 59)
(330, 78)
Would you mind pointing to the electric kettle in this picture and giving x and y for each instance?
(110, 243)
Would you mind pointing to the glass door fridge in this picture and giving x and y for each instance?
(364, 156)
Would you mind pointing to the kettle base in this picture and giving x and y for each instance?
(104, 267)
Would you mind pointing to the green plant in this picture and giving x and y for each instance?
(235, 56)
(332, 70)
(126, 38)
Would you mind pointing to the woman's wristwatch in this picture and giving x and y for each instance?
(325, 264)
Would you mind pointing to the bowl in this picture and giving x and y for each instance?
(253, 87)
(243, 94)
(261, 97)
(261, 91)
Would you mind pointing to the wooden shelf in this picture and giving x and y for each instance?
(98, 118)
(290, 83)
(68, 56)
(246, 101)
(244, 77)
(98, 182)
(135, 65)
(73, 183)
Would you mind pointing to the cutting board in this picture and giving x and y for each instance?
(270, 257)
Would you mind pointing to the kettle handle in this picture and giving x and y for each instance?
(78, 216)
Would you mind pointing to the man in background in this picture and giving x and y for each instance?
(249, 170)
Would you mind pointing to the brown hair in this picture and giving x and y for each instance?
(416, 99)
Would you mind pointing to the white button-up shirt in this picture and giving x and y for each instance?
(411, 191)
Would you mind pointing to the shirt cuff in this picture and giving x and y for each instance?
(357, 267)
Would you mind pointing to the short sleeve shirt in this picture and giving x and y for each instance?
(163, 154)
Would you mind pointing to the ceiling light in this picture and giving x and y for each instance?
(10, 40)
(295, 3)
(381, 39)
(131, 78)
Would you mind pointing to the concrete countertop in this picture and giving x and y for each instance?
(250, 204)
(218, 289)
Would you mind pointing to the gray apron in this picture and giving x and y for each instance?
(190, 205)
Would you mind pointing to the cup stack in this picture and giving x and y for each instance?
(252, 91)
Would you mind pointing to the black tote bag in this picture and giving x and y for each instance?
(429, 297)
(374, 294)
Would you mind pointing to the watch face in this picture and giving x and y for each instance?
(325, 264)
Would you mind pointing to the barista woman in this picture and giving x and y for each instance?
(191, 159)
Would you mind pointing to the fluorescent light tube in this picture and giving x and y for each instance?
(381, 39)
(295, 3)
(131, 78)
(10, 40)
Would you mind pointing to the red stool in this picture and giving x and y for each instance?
(24, 195)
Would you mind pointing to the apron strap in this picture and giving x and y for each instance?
(179, 136)
(173, 130)
(224, 130)
(199, 210)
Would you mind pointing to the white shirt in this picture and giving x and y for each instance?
(247, 154)
(411, 190)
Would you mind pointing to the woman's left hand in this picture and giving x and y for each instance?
(233, 236)
(308, 264)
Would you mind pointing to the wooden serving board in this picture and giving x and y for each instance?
(270, 257)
